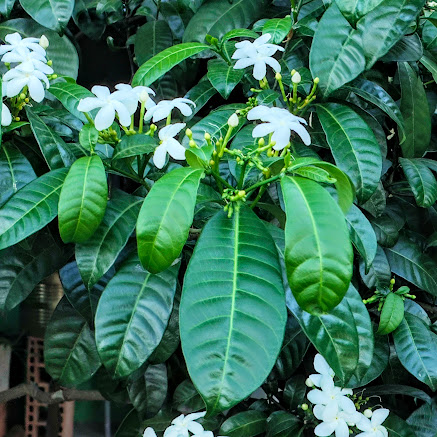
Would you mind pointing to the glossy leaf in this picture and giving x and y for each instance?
(223, 77)
(186, 399)
(31, 208)
(16, 172)
(318, 252)
(88, 136)
(152, 38)
(54, 149)
(407, 49)
(423, 421)
(284, 424)
(336, 55)
(132, 315)
(353, 10)
(353, 145)
(391, 315)
(83, 199)
(242, 290)
(70, 353)
(386, 230)
(379, 273)
(408, 262)
(6, 7)
(278, 28)
(165, 218)
(54, 15)
(200, 95)
(164, 61)
(96, 255)
(294, 392)
(245, 424)
(414, 108)
(134, 145)
(417, 350)
(398, 427)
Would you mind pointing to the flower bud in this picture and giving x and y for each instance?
(309, 383)
(50, 63)
(211, 162)
(22, 96)
(316, 80)
(192, 143)
(304, 407)
(233, 120)
(207, 136)
(278, 76)
(44, 42)
(144, 96)
(188, 133)
(296, 78)
(261, 142)
(368, 413)
(292, 72)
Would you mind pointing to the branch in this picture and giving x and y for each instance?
(61, 395)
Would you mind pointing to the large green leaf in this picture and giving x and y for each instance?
(53, 147)
(52, 14)
(96, 255)
(70, 353)
(164, 61)
(23, 267)
(294, 392)
(186, 398)
(353, 9)
(278, 28)
(407, 49)
(353, 145)
(16, 172)
(200, 94)
(83, 200)
(398, 427)
(284, 424)
(245, 424)
(423, 421)
(379, 273)
(152, 38)
(6, 7)
(344, 336)
(31, 208)
(414, 108)
(233, 296)
(217, 18)
(336, 55)
(61, 50)
(70, 94)
(407, 261)
(318, 251)
(223, 77)
(417, 350)
(392, 314)
(385, 25)
(362, 235)
(386, 230)
(133, 145)
(132, 315)
(165, 218)
(421, 180)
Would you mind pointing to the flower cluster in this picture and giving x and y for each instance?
(336, 410)
(182, 426)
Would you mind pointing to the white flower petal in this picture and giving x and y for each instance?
(379, 416)
(175, 149)
(316, 379)
(259, 70)
(318, 411)
(364, 424)
(281, 137)
(6, 116)
(243, 63)
(89, 103)
(162, 111)
(324, 429)
(346, 404)
(262, 130)
(195, 427)
(322, 366)
(102, 92)
(123, 114)
(302, 132)
(105, 117)
(258, 112)
(185, 109)
(171, 131)
(274, 64)
(149, 432)
(317, 397)
(342, 429)
(262, 40)
(14, 86)
(159, 157)
(36, 89)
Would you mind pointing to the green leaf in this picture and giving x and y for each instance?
(421, 180)
(336, 55)
(165, 218)
(294, 392)
(385, 25)
(386, 230)
(278, 28)
(152, 38)
(379, 273)
(284, 424)
(186, 399)
(83, 199)
(398, 389)
(148, 392)
(430, 64)
(31, 208)
(131, 425)
(318, 252)
(53, 147)
(96, 255)
(16, 172)
(245, 424)
(414, 108)
(242, 288)
(133, 145)
(200, 95)
(54, 15)
(353, 145)
(223, 76)
(362, 235)
(344, 336)
(416, 349)
(239, 33)
(132, 315)
(70, 353)
(407, 261)
(217, 18)
(61, 50)
(164, 61)
(353, 10)
(70, 94)
(22, 268)
(423, 421)
(6, 7)
(88, 136)
(379, 97)
(407, 49)
(391, 315)
(398, 427)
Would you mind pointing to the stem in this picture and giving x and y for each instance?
(243, 171)
(142, 112)
(88, 117)
(168, 119)
(218, 178)
(258, 197)
(265, 182)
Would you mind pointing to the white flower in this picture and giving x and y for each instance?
(15, 42)
(171, 146)
(16, 79)
(6, 116)
(373, 427)
(132, 95)
(333, 421)
(233, 120)
(110, 104)
(257, 53)
(182, 424)
(164, 108)
(149, 432)
(322, 368)
(296, 78)
(44, 42)
(280, 122)
(28, 60)
(330, 394)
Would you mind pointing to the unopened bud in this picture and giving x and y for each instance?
(212, 162)
(368, 413)
(17, 118)
(241, 193)
(144, 96)
(261, 142)
(309, 382)
(292, 72)
(50, 63)
(188, 133)
(316, 80)
(233, 120)
(278, 76)
(22, 96)
(296, 78)
(192, 143)
(153, 127)
(44, 42)
(304, 407)
(207, 136)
